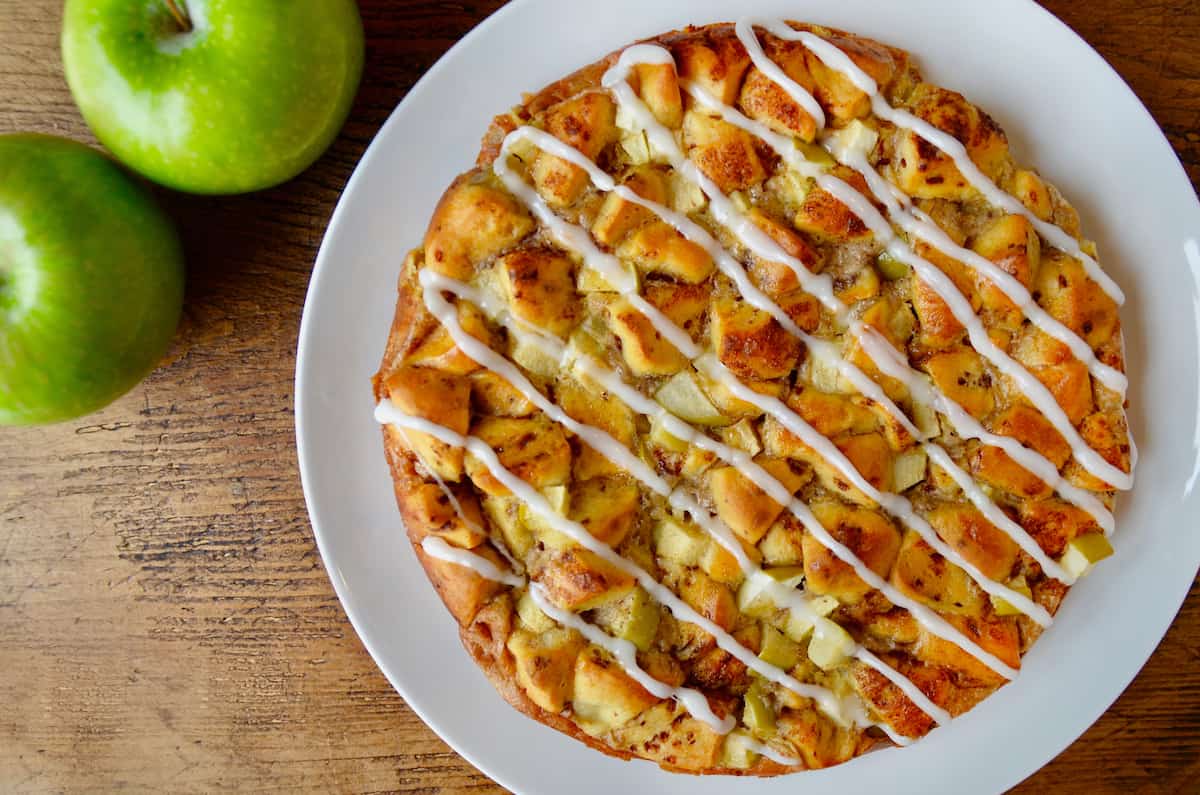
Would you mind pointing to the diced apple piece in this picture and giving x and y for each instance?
(830, 645)
(683, 397)
(825, 375)
(781, 546)
(758, 715)
(800, 624)
(633, 618)
(696, 463)
(533, 356)
(661, 437)
(504, 513)
(778, 650)
(754, 599)
(532, 616)
(736, 753)
(1085, 551)
(926, 420)
(909, 469)
(636, 147)
(542, 527)
(891, 266)
(741, 435)
(1003, 607)
(686, 196)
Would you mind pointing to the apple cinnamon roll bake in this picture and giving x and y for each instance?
(749, 405)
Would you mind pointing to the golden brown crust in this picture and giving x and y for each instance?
(818, 230)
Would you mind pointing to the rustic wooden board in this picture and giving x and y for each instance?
(165, 621)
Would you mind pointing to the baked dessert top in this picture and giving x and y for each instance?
(749, 406)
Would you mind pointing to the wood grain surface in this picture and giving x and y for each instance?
(165, 620)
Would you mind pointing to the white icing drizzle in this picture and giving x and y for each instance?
(836, 59)
(825, 699)
(717, 371)
(439, 548)
(615, 452)
(784, 597)
(730, 267)
(821, 286)
(895, 504)
(745, 33)
(928, 230)
(913, 692)
(858, 204)
(892, 363)
(626, 654)
(622, 650)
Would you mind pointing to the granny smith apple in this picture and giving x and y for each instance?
(91, 280)
(214, 96)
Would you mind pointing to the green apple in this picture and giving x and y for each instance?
(214, 96)
(91, 280)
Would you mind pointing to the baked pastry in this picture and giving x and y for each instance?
(748, 406)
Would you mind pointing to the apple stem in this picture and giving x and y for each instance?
(179, 11)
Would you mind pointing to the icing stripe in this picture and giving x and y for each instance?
(836, 59)
(565, 231)
(960, 308)
(729, 266)
(439, 548)
(1016, 292)
(623, 651)
(821, 286)
(913, 692)
(626, 654)
(836, 708)
(769, 485)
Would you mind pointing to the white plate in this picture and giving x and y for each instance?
(1064, 110)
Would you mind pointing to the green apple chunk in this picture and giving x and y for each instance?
(214, 96)
(91, 280)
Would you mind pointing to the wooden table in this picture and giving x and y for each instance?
(165, 620)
